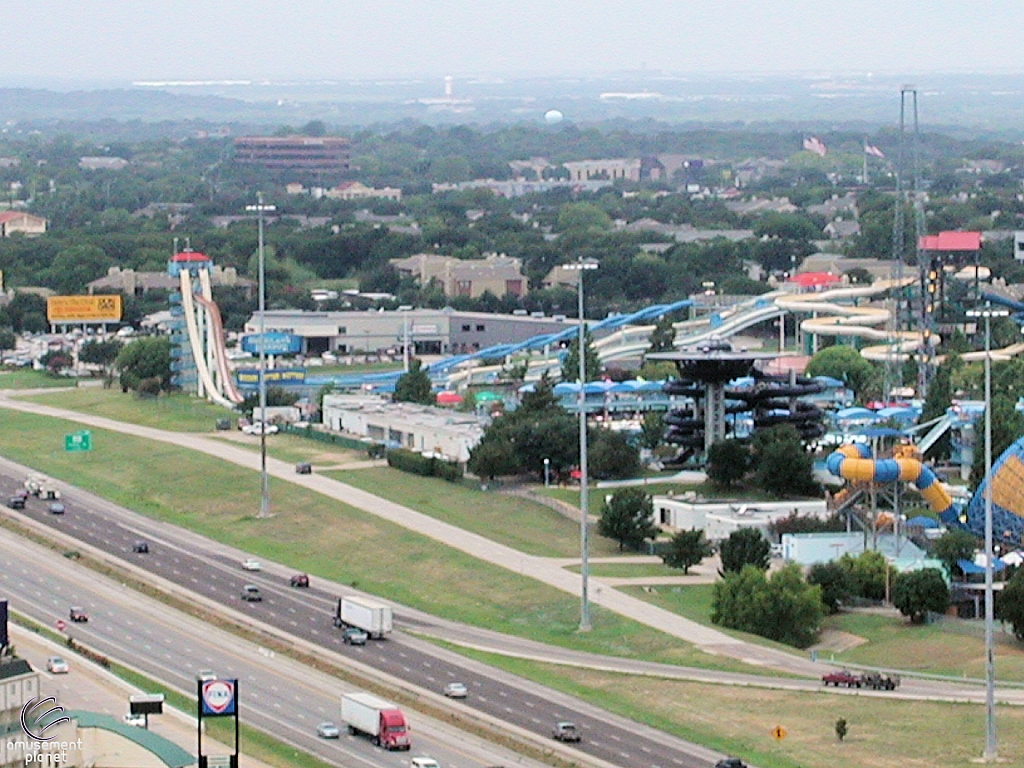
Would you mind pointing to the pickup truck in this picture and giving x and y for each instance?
(874, 680)
(842, 677)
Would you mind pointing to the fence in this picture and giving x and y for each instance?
(373, 448)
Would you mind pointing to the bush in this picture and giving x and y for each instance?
(418, 464)
(835, 582)
(783, 608)
(917, 593)
(728, 462)
(747, 546)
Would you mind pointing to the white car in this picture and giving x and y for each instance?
(328, 730)
(251, 564)
(259, 427)
(206, 675)
(423, 762)
(456, 691)
(57, 666)
(139, 721)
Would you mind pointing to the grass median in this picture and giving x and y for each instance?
(175, 412)
(329, 539)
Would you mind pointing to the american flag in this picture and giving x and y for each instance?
(871, 149)
(815, 145)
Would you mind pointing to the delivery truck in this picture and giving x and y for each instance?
(381, 720)
(373, 618)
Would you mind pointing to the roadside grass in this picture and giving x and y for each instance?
(625, 570)
(655, 488)
(691, 600)
(176, 412)
(295, 448)
(511, 520)
(26, 378)
(330, 539)
(883, 732)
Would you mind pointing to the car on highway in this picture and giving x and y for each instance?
(424, 762)
(251, 564)
(78, 615)
(260, 428)
(730, 762)
(141, 547)
(57, 666)
(456, 691)
(300, 580)
(566, 732)
(251, 594)
(328, 730)
(354, 636)
(139, 721)
(16, 502)
(205, 675)
(56, 508)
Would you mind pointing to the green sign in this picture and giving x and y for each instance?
(78, 441)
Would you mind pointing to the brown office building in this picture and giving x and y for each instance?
(316, 154)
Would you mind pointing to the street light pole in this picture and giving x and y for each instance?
(260, 209)
(585, 625)
(991, 752)
(547, 473)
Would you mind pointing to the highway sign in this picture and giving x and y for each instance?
(778, 733)
(60, 625)
(78, 441)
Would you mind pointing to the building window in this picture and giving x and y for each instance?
(466, 328)
(463, 287)
(666, 516)
(480, 327)
(342, 330)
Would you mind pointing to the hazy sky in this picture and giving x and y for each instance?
(227, 39)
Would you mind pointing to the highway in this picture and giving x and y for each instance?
(213, 571)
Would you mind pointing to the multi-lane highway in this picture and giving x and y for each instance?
(213, 571)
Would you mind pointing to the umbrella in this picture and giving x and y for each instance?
(448, 398)
(922, 522)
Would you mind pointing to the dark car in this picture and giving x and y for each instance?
(730, 762)
(141, 547)
(16, 502)
(78, 615)
(251, 594)
(354, 636)
(56, 508)
(304, 468)
(565, 731)
(300, 580)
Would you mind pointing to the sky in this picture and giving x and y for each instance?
(129, 40)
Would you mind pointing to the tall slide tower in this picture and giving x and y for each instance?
(198, 356)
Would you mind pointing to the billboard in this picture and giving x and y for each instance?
(250, 377)
(83, 309)
(217, 697)
(274, 343)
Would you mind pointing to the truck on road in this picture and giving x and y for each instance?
(374, 619)
(381, 720)
(875, 680)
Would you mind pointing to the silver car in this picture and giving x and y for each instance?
(328, 730)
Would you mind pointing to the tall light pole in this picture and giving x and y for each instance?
(547, 473)
(991, 752)
(585, 625)
(404, 309)
(260, 209)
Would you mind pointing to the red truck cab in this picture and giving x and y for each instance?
(394, 730)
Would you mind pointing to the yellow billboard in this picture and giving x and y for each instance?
(83, 309)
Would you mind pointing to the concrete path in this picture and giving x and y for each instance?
(539, 568)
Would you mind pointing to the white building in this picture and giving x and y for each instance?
(421, 428)
(719, 519)
(811, 548)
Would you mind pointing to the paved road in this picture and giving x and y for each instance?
(213, 572)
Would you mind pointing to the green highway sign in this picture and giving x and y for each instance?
(78, 441)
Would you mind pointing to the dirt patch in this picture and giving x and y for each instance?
(837, 641)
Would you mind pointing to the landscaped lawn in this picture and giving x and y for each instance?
(176, 412)
(510, 520)
(625, 570)
(26, 378)
(882, 732)
(295, 448)
(329, 539)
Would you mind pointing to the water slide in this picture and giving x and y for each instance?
(196, 343)
(216, 347)
(853, 462)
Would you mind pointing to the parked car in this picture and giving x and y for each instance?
(56, 508)
(57, 666)
(139, 721)
(354, 636)
(565, 731)
(16, 502)
(300, 580)
(251, 564)
(141, 547)
(251, 594)
(328, 730)
(456, 691)
(260, 428)
(730, 762)
(78, 614)
(304, 468)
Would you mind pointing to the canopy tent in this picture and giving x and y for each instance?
(922, 522)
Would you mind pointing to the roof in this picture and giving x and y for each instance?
(190, 256)
(951, 241)
(14, 668)
(170, 753)
(811, 279)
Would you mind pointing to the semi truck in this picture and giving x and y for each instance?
(381, 720)
(374, 619)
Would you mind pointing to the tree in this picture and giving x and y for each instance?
(841, 729)
(687, 549)
(145, 358)
(868, 572)
(276, 397)
(628, 517)
(728, 462)
(846, 364)
(1007, 426)
(571, 361)
(1010, 604)
(782, 466)
(835, 583)
(652, 429)
(747, 546)
(783, 608)
(952, 546)
(414, 386)
(612, 457)
(102, 353)
(916, 593)
(492, 458)
(7, 339)
(662, 338)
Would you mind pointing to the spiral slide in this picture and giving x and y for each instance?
(853, 462)
(196, 342)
